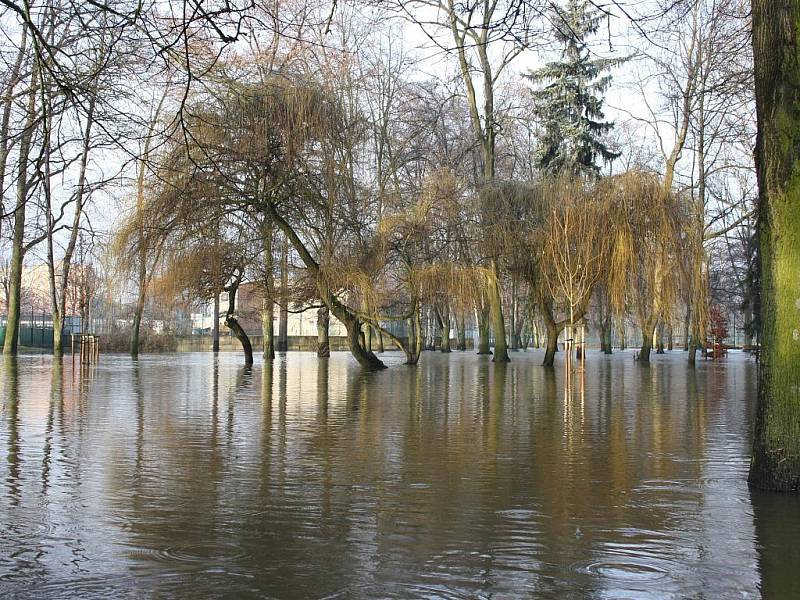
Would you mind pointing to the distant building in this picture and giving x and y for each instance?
(301, 321)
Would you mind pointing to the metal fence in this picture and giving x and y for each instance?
(37, 337)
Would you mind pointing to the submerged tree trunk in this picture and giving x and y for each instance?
(18, 248)
(648, 331)
(686, 325)
(283, 315)
(776, 446)
(268, 329)
(513, 316)
(747, 343)
(413, 348)
(345, 315)
(58, 293)
(605, 336)
(483, 330)
(137, 313)
(355, 339)
(498, 322)
(551, 344)
(215, 325)
(462, 332)
(268, 303)
(235, 327)
(323, 336)
(443, 317)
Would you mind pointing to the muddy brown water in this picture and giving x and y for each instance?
(186, 476)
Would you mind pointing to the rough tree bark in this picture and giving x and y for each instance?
(776, 447)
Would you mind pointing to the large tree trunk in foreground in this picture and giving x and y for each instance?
(776, 446)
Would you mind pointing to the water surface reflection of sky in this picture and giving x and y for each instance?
(190, 476)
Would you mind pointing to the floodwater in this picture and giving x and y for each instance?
(186, 476)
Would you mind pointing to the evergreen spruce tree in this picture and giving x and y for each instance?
(570, 105)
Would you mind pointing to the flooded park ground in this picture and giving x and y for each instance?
(190, 476)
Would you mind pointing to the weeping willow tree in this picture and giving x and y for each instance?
(560, 252)
(271, 155)
(650, 249)
(420, 247)
(575, 249)
(205, 267)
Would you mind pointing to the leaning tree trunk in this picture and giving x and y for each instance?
(323, 335)
(355, 339)
(551, 346)
(776, 51)
(345, 316)
(236, 328)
